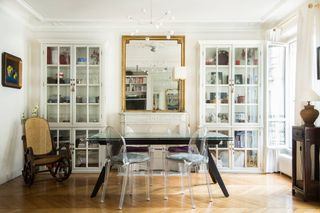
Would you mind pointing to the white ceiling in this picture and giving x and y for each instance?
(190, 12)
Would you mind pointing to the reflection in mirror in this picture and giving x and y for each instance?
(149, 74)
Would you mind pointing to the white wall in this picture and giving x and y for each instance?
(13, 40)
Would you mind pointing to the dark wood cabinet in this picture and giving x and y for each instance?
(305, 162)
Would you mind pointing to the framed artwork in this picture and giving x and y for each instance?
(11, 71)
(318, 62)
(172, 99)
(238, 79)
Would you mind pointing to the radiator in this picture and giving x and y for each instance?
(285, 164)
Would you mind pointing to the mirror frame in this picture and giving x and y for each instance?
(181, 83)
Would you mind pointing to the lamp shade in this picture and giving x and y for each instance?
(180, 73)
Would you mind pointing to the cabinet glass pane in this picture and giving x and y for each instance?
(240, 114)
(81, 136)
(223, 75)
(52, 112)
(211, 56)
(91, 133)
(52, 74)
(54, 137)
(252, 114)
(211, 95)
(252, 95)
(81, 56)
(252, 139)
(94, 94)
(239, 139)
(252, 75)
(64, 113)
(223, 159)
(223, 56)
(64, 75)
(239, 76)
(81, 113)
(94, 113)
(80, 158)
(81, 96)
(52, 94)
(252, 56)
(64, 57)
(211, 115)
(93, 158)
(223, 114)
(52, 55)
(223, 95)
(94, 55)
(252, 158)
(239, 94)
(239, 158)
(240, 56)
(94, 75)
(211, 76)
(81, 75)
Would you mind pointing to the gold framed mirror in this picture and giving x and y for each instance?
(149, 73)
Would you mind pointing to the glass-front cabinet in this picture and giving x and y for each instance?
(71, 97)
(230, 101)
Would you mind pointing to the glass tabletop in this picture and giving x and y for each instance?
(161, 136)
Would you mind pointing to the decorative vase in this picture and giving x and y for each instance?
(309, 114)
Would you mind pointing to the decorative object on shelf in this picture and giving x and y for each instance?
(223, 57)
(11, 71)
(309, 114)
(94, 58)
(156, 22)
(238, 79)
(35, 111)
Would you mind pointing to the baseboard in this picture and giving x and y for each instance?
(10, 176)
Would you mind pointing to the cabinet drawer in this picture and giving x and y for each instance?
(298, 134)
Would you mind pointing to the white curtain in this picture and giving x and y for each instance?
(308, 38)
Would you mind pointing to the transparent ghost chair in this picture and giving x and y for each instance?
(197, 154)
(116, 154)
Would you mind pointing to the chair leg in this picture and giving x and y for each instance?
(182, 171)
(190, 187)
(208, 183)
(165, 178)
(131, 179)
(148, 180)
(124, 185)
(105, 180)
(151, 163)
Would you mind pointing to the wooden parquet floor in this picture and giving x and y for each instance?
(248, 193)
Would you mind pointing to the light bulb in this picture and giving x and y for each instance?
(171, 32)
(144, 10)
(147, 38)
(137, 31)
(168, 36)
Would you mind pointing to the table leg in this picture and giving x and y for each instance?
(215, 175)
(99, 182)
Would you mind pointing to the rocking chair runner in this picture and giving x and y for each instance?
(39, 150)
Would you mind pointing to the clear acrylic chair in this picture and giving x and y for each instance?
(116, 154)
(197, 154)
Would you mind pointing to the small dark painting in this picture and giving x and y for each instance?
(11, 71)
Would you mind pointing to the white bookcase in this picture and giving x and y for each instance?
(230, 82)
(71, 98)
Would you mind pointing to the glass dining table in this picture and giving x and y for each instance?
(213, 138)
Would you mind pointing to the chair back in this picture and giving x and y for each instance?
(38, 136)
(116, 146)
(198, 143)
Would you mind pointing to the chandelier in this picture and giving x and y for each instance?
(314, 4)
(148, 19)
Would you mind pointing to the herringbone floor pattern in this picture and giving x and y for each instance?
(248, 193)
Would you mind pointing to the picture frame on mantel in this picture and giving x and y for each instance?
(11, 71)
(318, 63)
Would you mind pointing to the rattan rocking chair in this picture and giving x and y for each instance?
(39, 150)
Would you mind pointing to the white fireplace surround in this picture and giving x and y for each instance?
(157, 122)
